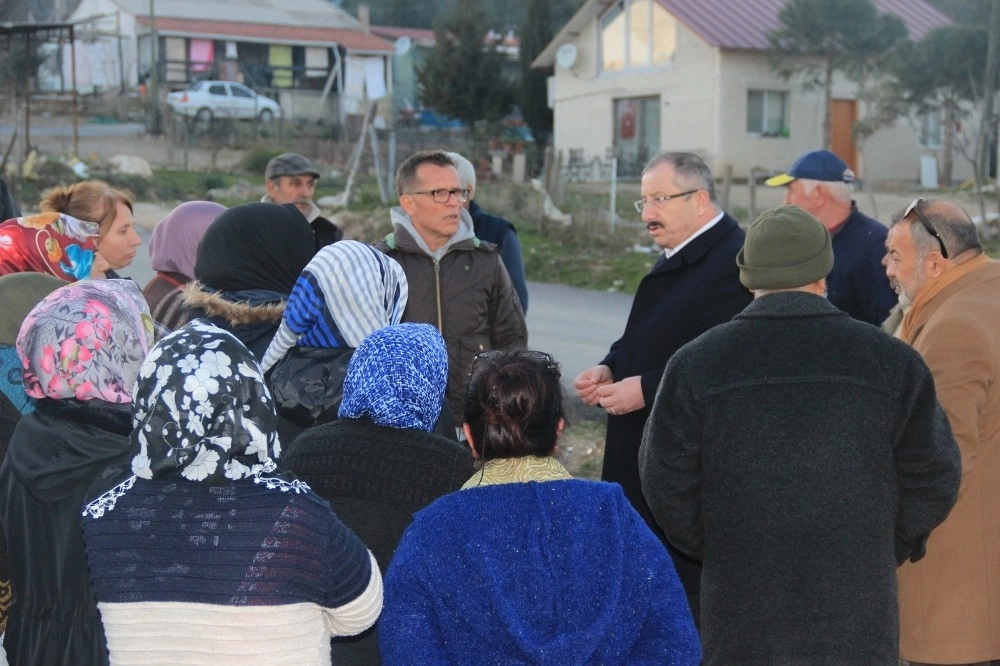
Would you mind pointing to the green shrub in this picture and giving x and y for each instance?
(213, 181)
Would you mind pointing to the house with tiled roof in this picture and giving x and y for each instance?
(631, 78)
(302, 52)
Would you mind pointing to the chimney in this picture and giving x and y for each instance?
(364, 15)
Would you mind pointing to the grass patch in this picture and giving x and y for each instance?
(177, 184)
(585, 260)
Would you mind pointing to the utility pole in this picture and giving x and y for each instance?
(988, 126)
(153, 89)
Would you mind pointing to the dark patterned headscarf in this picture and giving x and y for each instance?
(397, 377)
(202, 410)
(202, 413)
(86, 341)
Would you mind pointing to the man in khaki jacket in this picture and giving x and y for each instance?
(950, 600)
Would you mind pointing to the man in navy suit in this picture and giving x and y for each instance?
(694, 286)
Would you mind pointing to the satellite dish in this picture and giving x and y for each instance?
(403, 45)
(566, 56)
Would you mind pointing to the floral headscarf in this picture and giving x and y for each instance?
(397, 377)
(346, 292)
(86, 341)
(202, 412)
(53, 243)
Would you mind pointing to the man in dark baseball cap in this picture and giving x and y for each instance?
(822, 184)
(290, 178)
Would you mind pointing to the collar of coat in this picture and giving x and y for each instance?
(402, 240)
(231, 308)
(698, 247)
(790, 304)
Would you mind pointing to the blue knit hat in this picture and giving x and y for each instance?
(397, 378)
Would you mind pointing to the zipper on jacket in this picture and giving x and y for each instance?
(437, 291)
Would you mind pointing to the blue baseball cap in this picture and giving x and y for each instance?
(817, 165)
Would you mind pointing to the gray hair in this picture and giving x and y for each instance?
(689, 169)
(839, 191)
(958, 231)
(466, 172)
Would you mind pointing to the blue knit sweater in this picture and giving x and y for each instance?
(560, 572)
(858, 284)
(244, 573)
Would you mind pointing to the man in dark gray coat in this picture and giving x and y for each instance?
(802, 456)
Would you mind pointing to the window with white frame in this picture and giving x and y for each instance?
(636, 33)
(767, 112)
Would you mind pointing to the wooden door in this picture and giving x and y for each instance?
(843, 115)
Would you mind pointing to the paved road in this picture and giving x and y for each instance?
(575, 326)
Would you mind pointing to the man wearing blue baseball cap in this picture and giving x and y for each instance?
(822, 184)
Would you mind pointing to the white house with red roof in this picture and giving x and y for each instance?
(634, 77)
(293, 50)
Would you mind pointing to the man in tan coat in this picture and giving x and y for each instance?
(950, 600)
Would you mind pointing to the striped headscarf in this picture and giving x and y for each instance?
(348, 291)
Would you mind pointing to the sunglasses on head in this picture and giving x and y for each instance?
(915, 209)
(541, 359)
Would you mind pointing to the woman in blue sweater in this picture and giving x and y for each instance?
(526, 564)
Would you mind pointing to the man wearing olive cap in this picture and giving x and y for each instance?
(801, 455)
(290, 178)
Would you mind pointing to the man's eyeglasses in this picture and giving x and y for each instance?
(915, 209)
(443, 195)
(657, 202)
(539, 358)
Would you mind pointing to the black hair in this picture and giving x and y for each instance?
(513, 404)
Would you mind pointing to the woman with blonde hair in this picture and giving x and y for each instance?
(111, 209)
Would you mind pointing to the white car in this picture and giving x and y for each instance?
(206, 100)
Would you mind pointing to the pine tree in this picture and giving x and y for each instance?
(536, 33)
(817, 38)
(461, 77)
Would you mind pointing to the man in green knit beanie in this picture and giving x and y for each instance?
(801, 455)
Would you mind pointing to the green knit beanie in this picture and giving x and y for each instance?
(19, 293)
(785, 248)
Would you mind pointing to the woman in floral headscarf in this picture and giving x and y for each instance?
(81, 348)
(346, 292)
(379, 463)
(53, 243)
(240, 563)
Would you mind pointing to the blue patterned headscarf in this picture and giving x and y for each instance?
(397, 378)
(346, 292)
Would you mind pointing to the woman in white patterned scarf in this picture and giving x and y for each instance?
(204, 494)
